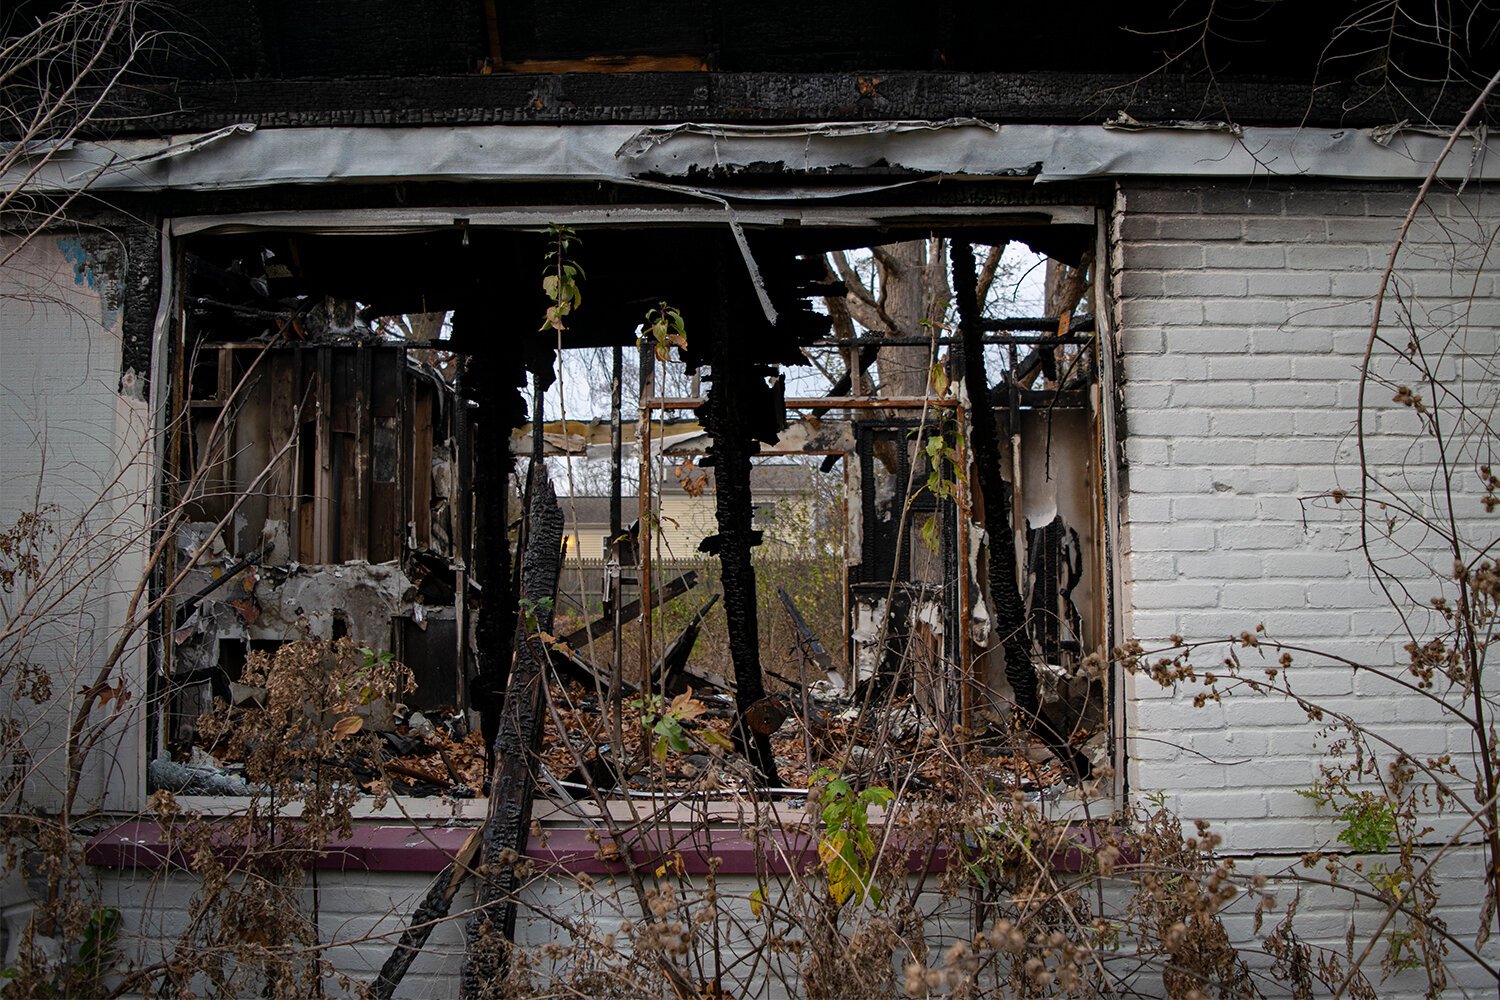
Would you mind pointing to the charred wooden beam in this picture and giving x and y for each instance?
(496, 623)
(1045, 327)
(191, 604)
(568, 663)
(669, 592)
(669, 676)
(808, 640)
(433, 908)
(999, 516)
(866, 357)
(492, 926)
(609, 98)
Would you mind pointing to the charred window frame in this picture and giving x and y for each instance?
(336, 440)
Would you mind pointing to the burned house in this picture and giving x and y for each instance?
(1080, 344)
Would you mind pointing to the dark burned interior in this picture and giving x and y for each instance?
(349, 408)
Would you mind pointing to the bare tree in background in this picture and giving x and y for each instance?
(905, 295)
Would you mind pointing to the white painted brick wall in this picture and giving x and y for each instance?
(1243, 311)
(362, 914)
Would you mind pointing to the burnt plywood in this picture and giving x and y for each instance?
(357, 470)
(430, 649)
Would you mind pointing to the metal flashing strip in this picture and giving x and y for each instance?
(376, 221)
(740, 164)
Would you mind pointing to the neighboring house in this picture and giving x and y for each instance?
(686, 515)
(403, 160)
(786, 512)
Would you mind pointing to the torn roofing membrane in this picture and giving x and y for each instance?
(699, 156)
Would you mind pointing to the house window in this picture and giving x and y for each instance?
(355, 437)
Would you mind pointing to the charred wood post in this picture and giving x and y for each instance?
(751, 330)
(734, 383)
(739, 410)
(645, 499)
(495, 382)
(512, 785)
(500, 409)
(616, 443)
(999, 516)
(615, 547)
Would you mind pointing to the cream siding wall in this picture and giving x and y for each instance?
(76, 450)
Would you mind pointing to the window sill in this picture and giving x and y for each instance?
(141, 844)
(372, 847)
(426, 810)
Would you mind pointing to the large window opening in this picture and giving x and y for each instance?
(816, 512)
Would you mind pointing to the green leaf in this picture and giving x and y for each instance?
(1369, 825)
(930, 534)
(716, 738)
(843, 880)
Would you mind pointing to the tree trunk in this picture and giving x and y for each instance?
(903, 370)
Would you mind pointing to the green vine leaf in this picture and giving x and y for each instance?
(664, 327)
